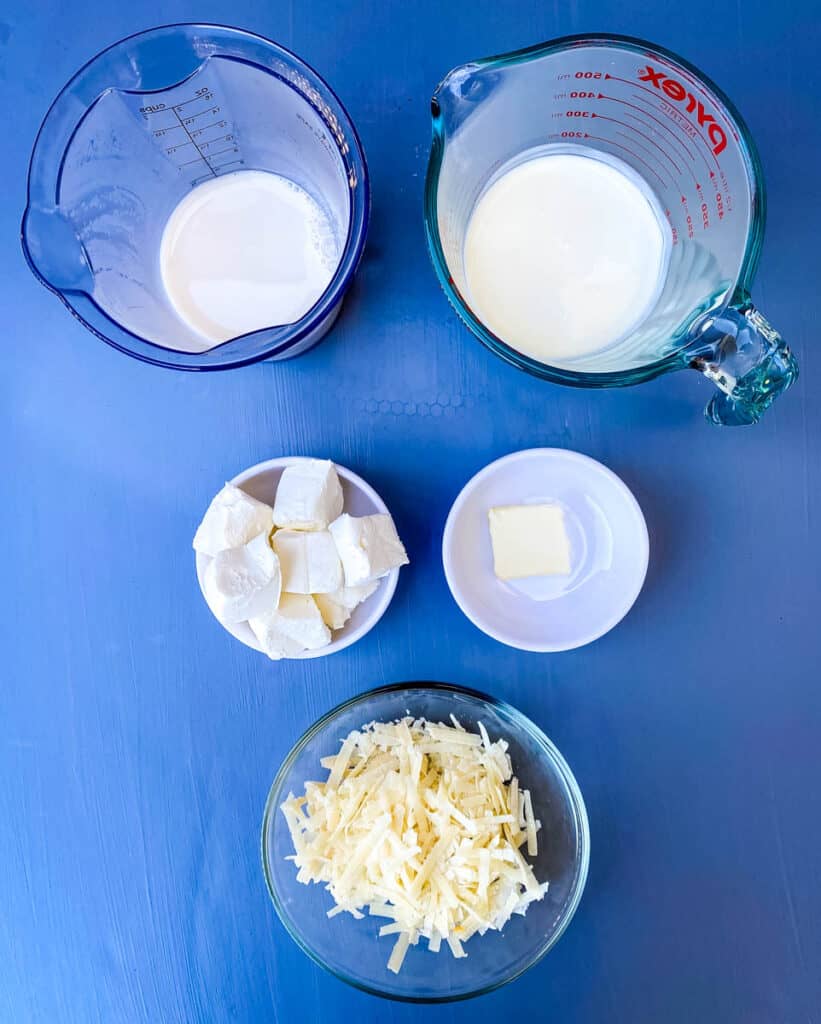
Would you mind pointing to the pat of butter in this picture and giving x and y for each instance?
(529, 540)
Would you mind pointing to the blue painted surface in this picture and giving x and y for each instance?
(137, 741)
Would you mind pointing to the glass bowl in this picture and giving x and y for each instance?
(351, 949)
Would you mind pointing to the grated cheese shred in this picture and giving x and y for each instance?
(422, 824)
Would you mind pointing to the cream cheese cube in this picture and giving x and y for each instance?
(232, 519)
(529, 540)
(309, 496)
(295, 626)
(271, 639)
(337, 607)
(368, 546)
(309, 561)
(243, 582)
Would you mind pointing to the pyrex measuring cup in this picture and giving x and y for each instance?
(140, 125)
(626, 101)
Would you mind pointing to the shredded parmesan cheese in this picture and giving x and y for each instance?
(423, 824)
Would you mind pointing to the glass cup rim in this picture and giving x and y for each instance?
(522, 722)
(755, 230)
(151, 352)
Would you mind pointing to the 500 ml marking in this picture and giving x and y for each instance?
(185, 133)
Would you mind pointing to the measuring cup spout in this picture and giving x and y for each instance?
(54, 251)
(748, 360)
(458, 92)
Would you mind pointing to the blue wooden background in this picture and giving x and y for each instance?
(138, 741)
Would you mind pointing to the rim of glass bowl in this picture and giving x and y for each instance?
(736, 295)
(521, 722)
(42, 183)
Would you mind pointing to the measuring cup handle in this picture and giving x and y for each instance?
(748, 360)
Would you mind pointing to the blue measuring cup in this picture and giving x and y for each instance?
(142, 124)
(622, 100)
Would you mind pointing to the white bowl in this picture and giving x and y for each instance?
(609, 551)
(361, 499)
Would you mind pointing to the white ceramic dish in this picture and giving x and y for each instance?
(609, 551)
(361, 499)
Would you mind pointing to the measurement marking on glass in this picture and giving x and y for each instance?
(635, 156)
(199, 131)
(677, 117)
(219, 138)
(688, 218)
(666, 127)
(673, 228)
(656, 96)
(603, 117)
(636, 142)
(645, 124)
(673, 114)
(194, 126)
(180, 145)
(228, 163)
(695, 84)
(191, 118)
(203, 157)
(201, 94)
(160, 132)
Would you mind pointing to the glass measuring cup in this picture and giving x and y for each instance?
(630, 103)
(136, 129)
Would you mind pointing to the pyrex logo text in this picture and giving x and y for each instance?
(676, 91)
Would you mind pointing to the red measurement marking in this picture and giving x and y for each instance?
(673, 228)
(632, 139)
(661, 124)
(664, 152)
(673, 114)
(650, 128)
(705, 216)
(694, 82)
(635, 156)
(655, 94)
(676, 91)
(688, 218)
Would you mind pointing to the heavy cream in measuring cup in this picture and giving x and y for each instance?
(563, 256)
(245, 251)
